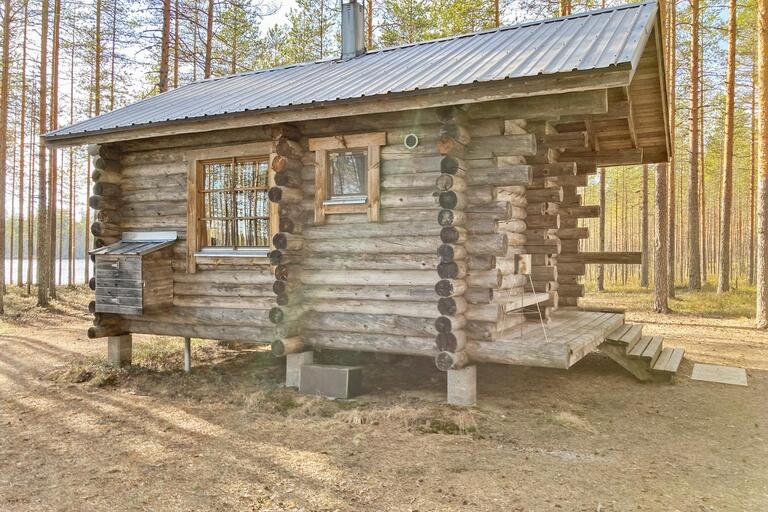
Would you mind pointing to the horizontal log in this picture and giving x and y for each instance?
(106, 330)
(381, 343)
(371, 261)
(374, 307)
(106, 164)
(285, 164)
(285, 195)
(621, 258)
(212, 332)
(451, 341)
(287, 241)
(570, 233)
(566, 181)
(450, 287)
(553, 169)
(445, 361)
(371, 277)
(537, 195)
(580, 212)
(103, 203)
(446, 182)
(291, 179)
(384, 245)
(500, 145)
(449, 323)
(287, 346)
(369, 324)
(514, 175)
(103, 229)
(104, 176)
(288, 148)
(104, 151)
(405, 227)
(368, 292)
(448, 252)
(543, 221)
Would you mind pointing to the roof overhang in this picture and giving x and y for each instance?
(575, 81)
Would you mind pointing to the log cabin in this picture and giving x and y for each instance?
(419, 200)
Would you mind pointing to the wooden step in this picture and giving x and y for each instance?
(648, 347)
(627, 334)
(669, 360)
(524, 300)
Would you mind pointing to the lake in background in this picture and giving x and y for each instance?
(10, 271)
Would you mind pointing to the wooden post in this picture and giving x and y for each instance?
(119, 350)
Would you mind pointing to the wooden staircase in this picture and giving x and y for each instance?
(645, 357)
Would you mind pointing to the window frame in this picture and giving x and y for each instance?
(196, 159)
(324, 206)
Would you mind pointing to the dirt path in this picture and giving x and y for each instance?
(228, 437)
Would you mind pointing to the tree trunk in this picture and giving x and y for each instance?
(165, 46)
(661, 288)
(724, 279)
(43, 237)
(97, 61)
(601, 233)
(752, 175)
(22, 152)
(694, 247)
(112, 57)
(672, 214)
(54, 122)
(5, 83)
(208, 40)
(644, 230)
(175, 44)
(762, 184)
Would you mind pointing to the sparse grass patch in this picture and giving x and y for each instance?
(90, 371)
(738, 303)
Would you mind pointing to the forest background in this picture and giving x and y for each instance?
(65, 61)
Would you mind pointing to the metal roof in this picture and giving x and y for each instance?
(138, 243)
(585, 41)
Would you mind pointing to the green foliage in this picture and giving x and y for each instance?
(405, 21)
(310, 34)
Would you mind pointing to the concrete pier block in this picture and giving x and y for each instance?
(332, 381)
(462, 386)
(293, 364)
(119, 350)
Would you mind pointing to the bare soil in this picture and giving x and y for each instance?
(76, 434)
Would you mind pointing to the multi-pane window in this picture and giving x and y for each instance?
(235, 208)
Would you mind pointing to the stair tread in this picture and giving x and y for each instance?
(638, 348)
(669, 360)
(653, 350)
(627, 334)
(618, 333)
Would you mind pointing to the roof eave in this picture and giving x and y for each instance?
(614, 76)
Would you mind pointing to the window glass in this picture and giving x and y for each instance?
(348, 173)
(235, 204)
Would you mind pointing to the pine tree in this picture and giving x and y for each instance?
(5, 83)
(694, 221)
(405, 21)
(762, 176)
(660, 285)
(724, 279)
(43, 236)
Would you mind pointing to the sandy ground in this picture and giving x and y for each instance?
(77, 435)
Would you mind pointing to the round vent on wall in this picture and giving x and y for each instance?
(411, 141)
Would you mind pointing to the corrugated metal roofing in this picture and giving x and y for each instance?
(585, 41)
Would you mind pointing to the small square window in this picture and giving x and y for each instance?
(348, 174)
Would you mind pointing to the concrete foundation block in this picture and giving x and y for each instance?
(293, 364)
(332, 381)
(120, 350)
(462, 386)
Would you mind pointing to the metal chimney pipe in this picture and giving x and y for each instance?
(352, 37)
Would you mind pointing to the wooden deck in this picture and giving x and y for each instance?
(568, 337)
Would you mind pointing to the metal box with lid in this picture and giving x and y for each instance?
(135, 275)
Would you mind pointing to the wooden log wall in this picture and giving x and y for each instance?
(288, 243)
(556, 184)
(106, 199)
(227, 299)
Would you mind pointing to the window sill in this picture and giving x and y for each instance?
(232, 257)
